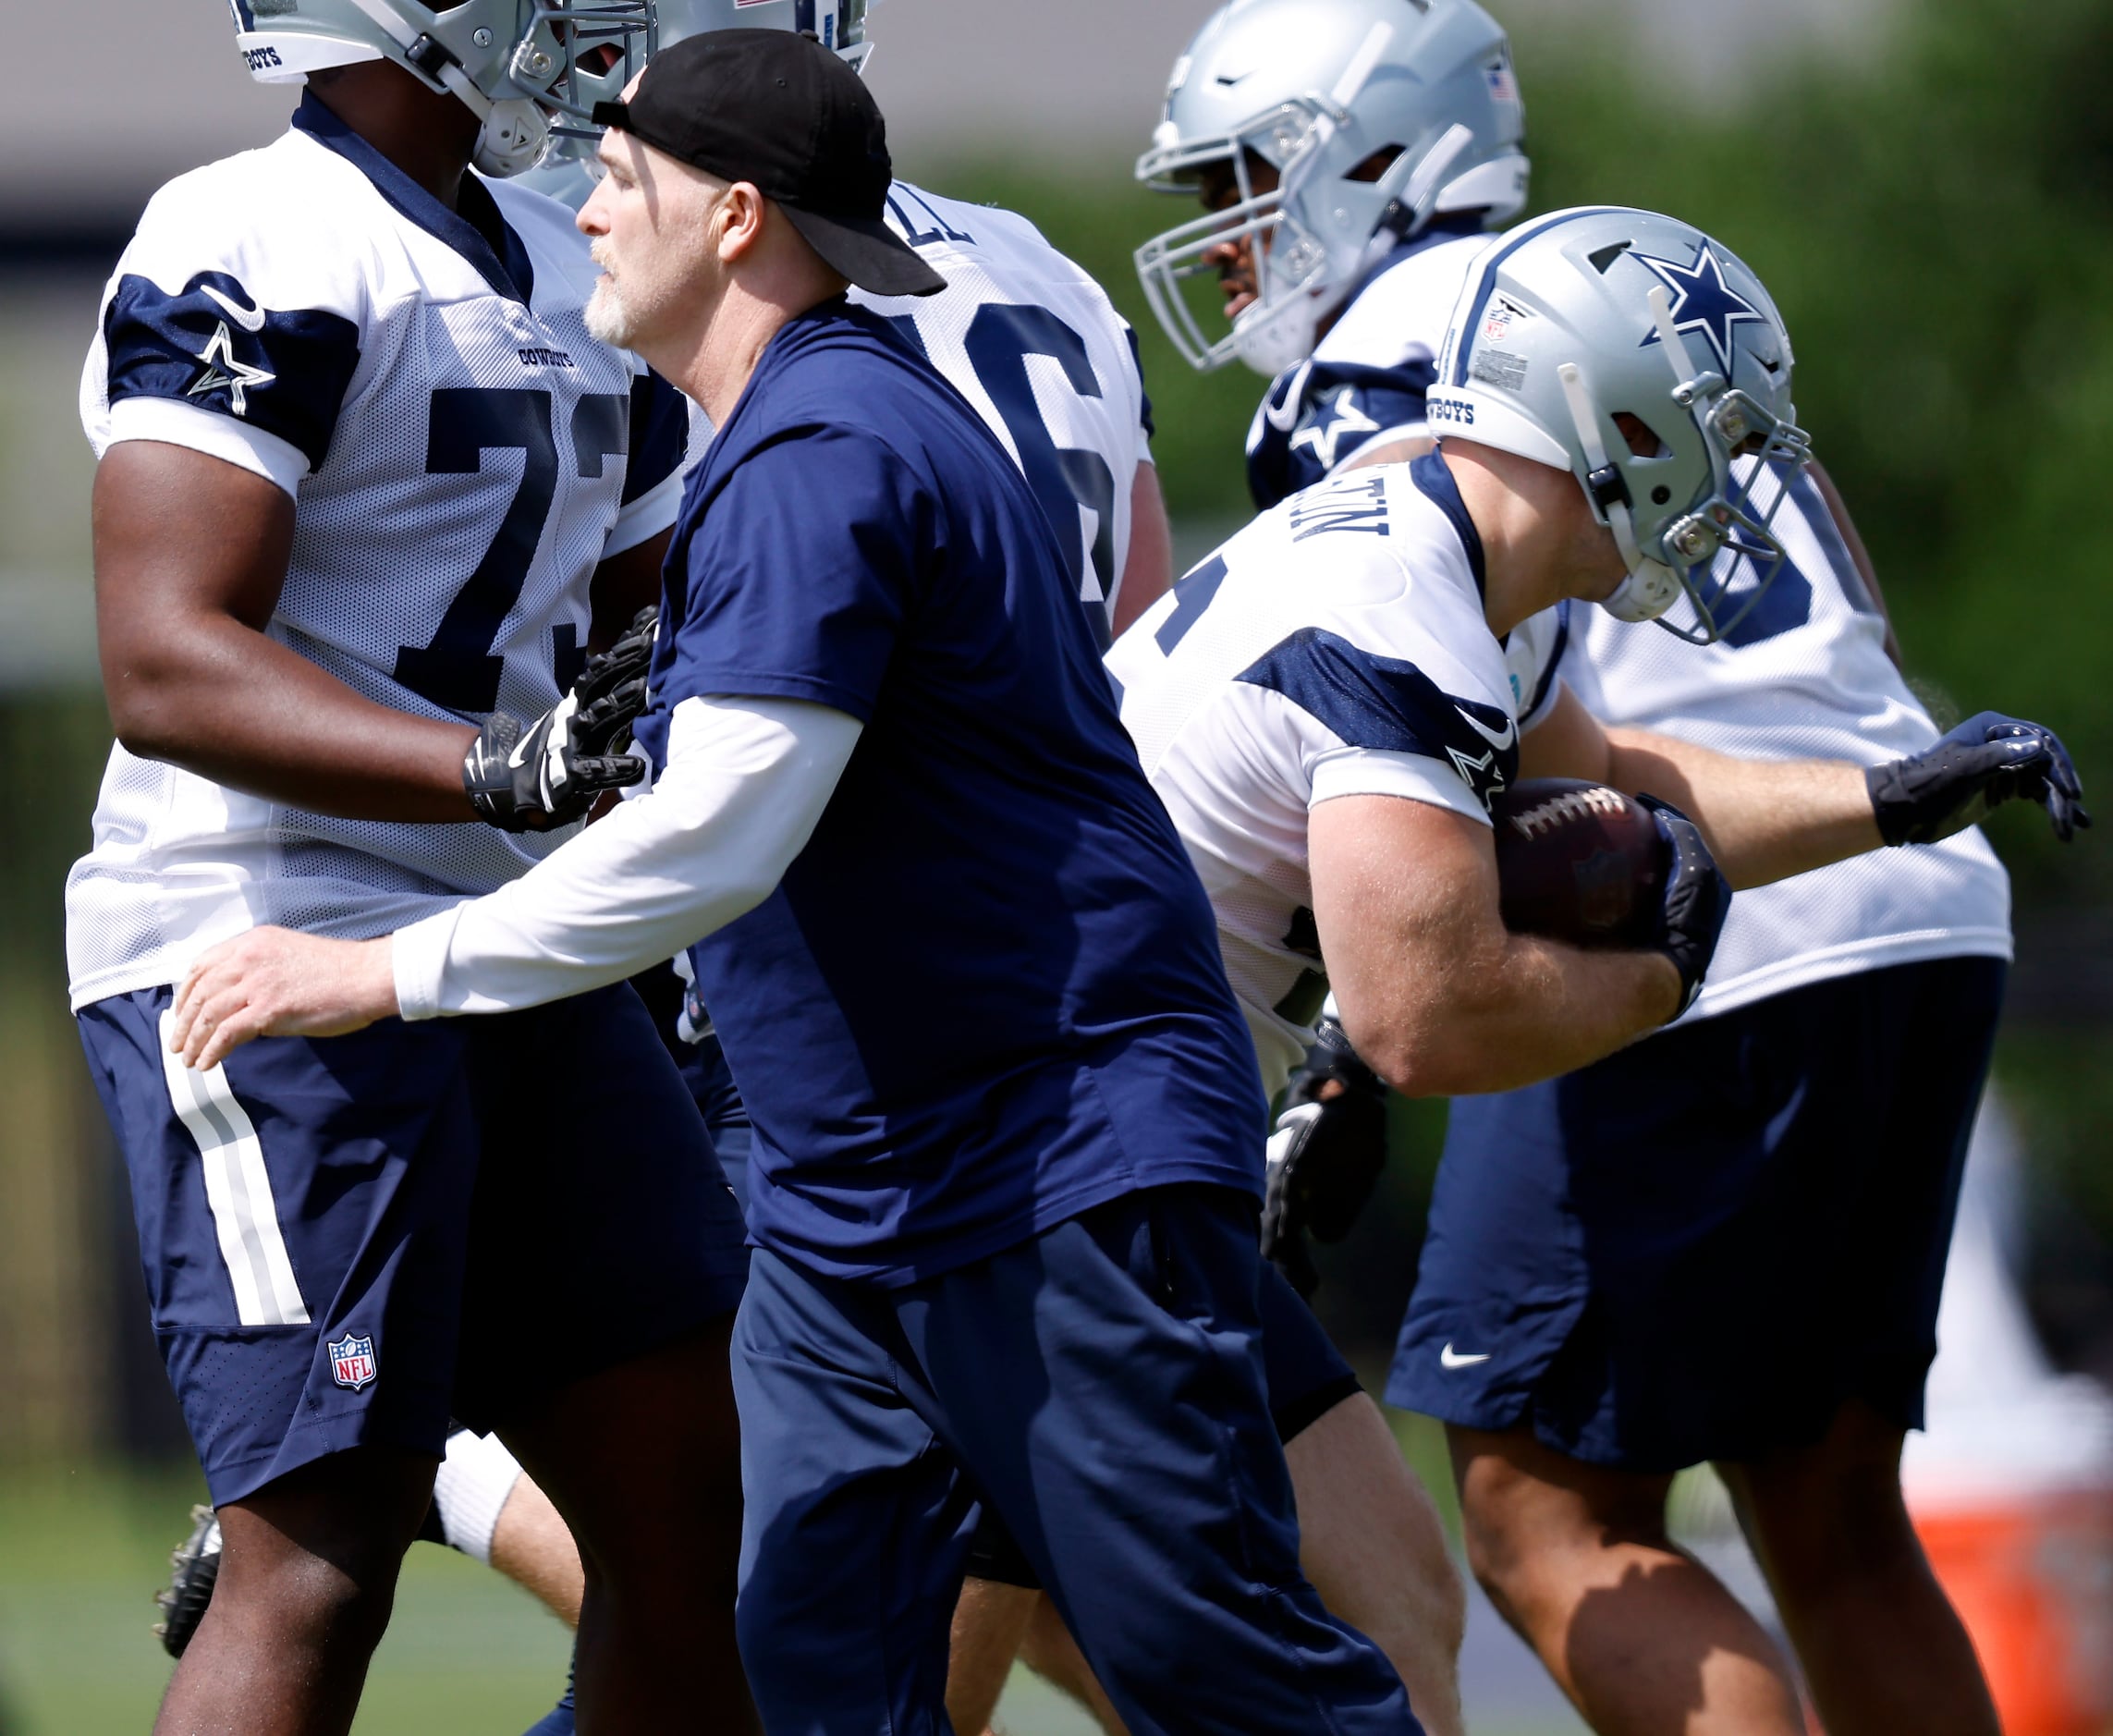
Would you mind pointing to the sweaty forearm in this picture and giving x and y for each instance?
(225, 701)
(1764, 820)
(1530, 1009)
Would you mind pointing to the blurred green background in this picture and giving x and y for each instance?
(1934, 217)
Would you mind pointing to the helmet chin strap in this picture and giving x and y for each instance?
(516, 133)
(1651, 587)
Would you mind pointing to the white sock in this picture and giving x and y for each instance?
(476, 1476)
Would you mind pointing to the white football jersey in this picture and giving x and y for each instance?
(1042, 356)
(1805, 674)
(1364, 384)
(1336, 647)
(461, 454)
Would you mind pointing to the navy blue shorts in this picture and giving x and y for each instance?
(1307, 1378)
(1699, 1248)
(1101, 1384)
(331, 1262)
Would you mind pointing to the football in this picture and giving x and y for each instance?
(1577, 861)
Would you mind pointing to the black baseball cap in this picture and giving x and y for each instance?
(777, 109)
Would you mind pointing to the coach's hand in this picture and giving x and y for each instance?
(1985, 762)
(1697, 899)
(531, 778)
(274, 983)
(1325, 1155)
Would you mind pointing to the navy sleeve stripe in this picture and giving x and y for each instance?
(1143, 398)
(1390, 705)
(660, 434)
(1551, 670)
(1435, 482)
(210, 343)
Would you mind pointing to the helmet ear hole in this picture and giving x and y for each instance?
(1643, 442)
(1661, 494)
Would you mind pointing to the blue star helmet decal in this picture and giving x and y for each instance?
(1702, 302)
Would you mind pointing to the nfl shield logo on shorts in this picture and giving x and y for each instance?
(352, 1362)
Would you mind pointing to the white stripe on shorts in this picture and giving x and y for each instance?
(237, 1190)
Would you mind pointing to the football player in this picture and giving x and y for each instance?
(367, 488)
(1683, 1345)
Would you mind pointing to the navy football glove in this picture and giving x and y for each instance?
(1325, 1155)
(533, 776)
(1985, 762)
(1697, 899)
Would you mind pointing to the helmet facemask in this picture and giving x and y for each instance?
(1719, 534)
(1288, 263)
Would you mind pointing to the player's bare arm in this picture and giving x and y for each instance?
(1763, 820)
(190, 554)
(1438, 996)
(1766, 820)
(1150, 568)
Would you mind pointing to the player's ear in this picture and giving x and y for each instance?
(738, 220)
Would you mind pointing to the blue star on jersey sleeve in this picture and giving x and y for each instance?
(1319, 413)
(212, 345)
(796, 575)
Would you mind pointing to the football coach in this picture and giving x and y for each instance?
(1007, 1166)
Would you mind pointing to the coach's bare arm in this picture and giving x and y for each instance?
(1763, 819)
(1438, 996)
(191, 557)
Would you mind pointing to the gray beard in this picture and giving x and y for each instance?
(606, 317)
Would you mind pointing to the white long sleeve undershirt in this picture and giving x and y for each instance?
(745, 783)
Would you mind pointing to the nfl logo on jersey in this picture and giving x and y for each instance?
(352, 1362)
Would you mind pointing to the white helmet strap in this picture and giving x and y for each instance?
(1651, 586)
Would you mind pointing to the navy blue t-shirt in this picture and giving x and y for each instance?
(988, 994)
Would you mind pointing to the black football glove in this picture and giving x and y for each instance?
(1697, 899)
(530, 777)
(1985, 762)
(1325, 1155)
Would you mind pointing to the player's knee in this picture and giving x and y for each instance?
(339, 1598)
(1524, 1535)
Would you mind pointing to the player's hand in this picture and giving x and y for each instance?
(531, 778)
(1325, 1155)
(1696, 902)
(274, 983)
(1985, 762)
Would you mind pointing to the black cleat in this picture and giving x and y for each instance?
(193, 1569)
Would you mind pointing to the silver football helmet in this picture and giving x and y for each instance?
(1322, 90)
(569, 172)
(1583, 316)
(520, 65)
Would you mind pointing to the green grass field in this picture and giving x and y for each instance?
(81, 1554)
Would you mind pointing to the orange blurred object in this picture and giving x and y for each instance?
(2032, 1579)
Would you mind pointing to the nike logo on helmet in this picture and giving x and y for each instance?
(1497, 739)
(1450, 1357)
(248, 319)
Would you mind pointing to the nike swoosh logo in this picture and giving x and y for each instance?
(1451, 1358)
(1497, 739)
(248, 319)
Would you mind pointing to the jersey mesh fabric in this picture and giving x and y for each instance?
(1042, 356)
(468, 428)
